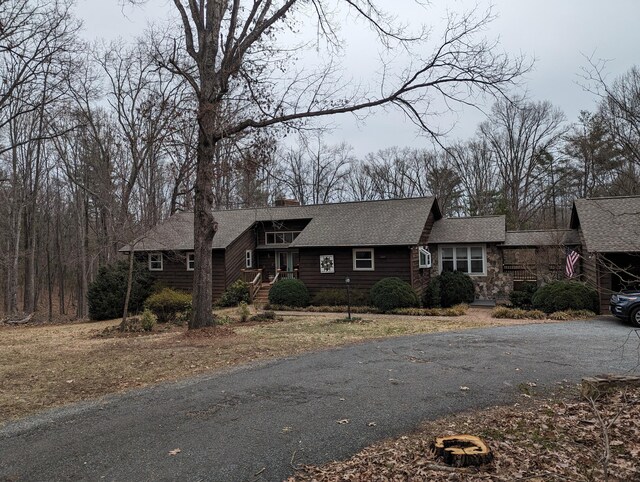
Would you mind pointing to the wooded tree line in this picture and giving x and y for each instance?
(99, 142)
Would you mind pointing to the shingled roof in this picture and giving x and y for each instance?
(367, 223)
(549, 237)
(477, 229)
(609, 225)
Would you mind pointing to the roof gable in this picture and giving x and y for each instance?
(609, 225)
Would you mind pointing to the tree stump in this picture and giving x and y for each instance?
(462, 450)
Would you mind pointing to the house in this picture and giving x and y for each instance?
(323, 245)
(609, 235)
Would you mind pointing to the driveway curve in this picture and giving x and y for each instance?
(252, 423)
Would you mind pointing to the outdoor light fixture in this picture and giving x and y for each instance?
(348, 282)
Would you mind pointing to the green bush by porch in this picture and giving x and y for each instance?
(449, 289)
(289, 292)
(393, 293)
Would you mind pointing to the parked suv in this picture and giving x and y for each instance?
(626, 305)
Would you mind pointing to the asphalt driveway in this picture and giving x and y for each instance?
(251, 423)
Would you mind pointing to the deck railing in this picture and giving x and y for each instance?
(282, 274)
(254, 278)
(521, 272)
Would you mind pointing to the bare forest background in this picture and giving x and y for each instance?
(98, 143)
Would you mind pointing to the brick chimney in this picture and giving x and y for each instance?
(283, 203)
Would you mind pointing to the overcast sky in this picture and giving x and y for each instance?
(557, 33)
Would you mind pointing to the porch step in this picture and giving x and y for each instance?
(262, 296)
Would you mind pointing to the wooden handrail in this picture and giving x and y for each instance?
(275, 278)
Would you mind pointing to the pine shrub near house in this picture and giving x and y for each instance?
(289, 292)
(565, 295)
(107, 292)
(449, 289)
(392, 293)
(168, 304)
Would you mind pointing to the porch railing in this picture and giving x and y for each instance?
(254, 278)
(282, 274)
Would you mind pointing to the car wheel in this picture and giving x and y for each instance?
(635, 317)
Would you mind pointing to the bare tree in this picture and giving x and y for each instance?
(477, 170)
(314, 172)
(519, 133)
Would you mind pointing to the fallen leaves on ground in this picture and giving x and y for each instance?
(551, 440)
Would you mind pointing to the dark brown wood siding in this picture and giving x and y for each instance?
(175, 275)
(235, 255)
(389, 261)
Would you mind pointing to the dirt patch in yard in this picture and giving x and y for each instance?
(44, 366)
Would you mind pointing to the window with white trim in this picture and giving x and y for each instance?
(280, 237)
(155, 261)
(248, 259)
(363, 260)
(424, 258)
(468, 259)
(191, 261)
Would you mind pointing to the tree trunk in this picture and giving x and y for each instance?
(204, 223)
(125, 313)
(462, 450)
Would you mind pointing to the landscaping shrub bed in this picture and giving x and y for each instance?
(565, 295)
(517, 313)
(323, 309)
(457, 310)
(338, 297)
(392, 293)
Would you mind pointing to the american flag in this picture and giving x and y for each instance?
(572, 259)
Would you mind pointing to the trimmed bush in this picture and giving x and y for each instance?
(338, 297)
(393, 293)
(522, 298)
(289, 292)
(107, 292)
(236, 293)
(167, 304)
(448, 289)
(565, 295)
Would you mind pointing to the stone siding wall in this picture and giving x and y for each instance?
(496, 285)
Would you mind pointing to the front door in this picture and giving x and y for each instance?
(284, 261)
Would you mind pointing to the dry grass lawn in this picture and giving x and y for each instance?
(44, 366)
